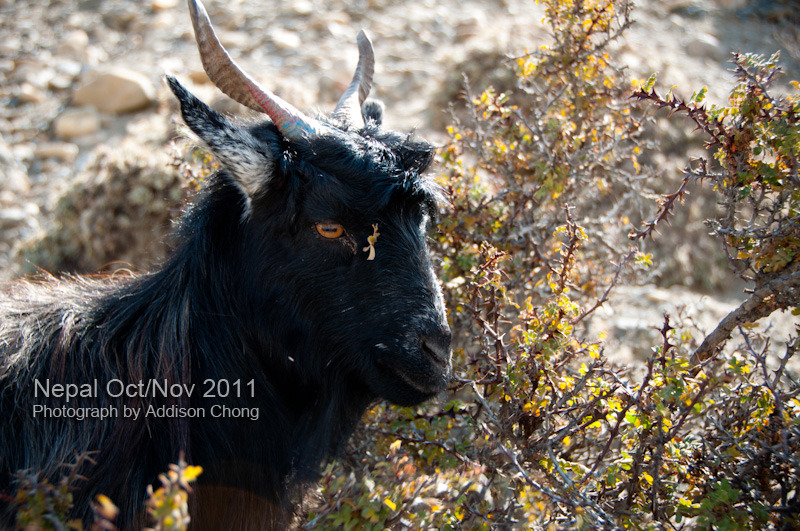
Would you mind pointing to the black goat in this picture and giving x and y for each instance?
(301, 290)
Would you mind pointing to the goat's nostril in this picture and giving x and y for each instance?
(437, 346)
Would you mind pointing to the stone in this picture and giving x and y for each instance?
(68, 68)
(162, 5)
(199, 76)
(10, 45)
(285, 39)
(117, 91)
(468, 28)
(22, 152)
(163, 21)
(732, 4)
(12, 172)
(76, 122)
(95, 55)
(74, 44)
(225, 105)
(31, 94)
(328, 20)
(705, 45)
(60, 82)
(65, 151)
(35, 74)
(234, 39)
(120, 17)
(12, 217)
(6, 65)
(301, 8)
(66, 72)
(688, 8)
(20, 214)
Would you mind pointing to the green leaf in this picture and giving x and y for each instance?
(651, 81)
(699, 96)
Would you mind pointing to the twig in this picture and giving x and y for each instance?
(604, 298)
(775, 294)
(666, 203)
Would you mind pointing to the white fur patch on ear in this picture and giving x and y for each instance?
(246, 159)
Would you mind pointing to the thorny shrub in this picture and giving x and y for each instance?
(755, 142)
(133, 194)
(42, 505)
(539, 429)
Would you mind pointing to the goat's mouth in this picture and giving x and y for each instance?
(428, 387)
(418, 377)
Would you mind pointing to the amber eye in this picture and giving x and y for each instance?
(330, 230)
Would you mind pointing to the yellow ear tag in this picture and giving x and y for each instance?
(371, 242)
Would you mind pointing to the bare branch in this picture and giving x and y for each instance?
(773, 295)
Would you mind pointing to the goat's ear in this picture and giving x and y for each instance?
(247, 160)
(372, 110)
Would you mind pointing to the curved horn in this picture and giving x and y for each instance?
(230, 79)
(348, 109)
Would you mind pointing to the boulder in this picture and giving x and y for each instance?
(117, 91)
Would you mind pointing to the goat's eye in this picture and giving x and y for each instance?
(330, 230)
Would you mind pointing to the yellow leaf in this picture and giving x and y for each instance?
(104, 500)
(191, 472)
(107, 508)
(390, 504)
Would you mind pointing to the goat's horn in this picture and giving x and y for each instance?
(349, 107)
(230, 79)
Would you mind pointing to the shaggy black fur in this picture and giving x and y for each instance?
(252, 292)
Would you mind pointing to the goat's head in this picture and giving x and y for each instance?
(333, 228)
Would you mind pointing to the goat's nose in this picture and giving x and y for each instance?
(436, 344)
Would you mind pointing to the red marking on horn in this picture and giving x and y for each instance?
(290, 124)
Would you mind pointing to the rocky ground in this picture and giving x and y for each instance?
(84, 107)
